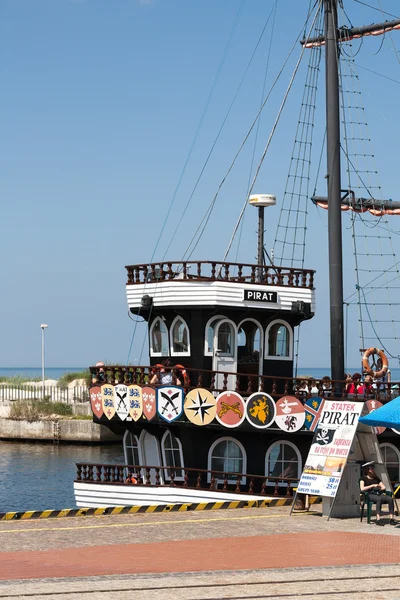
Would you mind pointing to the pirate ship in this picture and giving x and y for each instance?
(233, 422)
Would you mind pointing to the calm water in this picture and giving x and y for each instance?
(34, 372)
(40, 476)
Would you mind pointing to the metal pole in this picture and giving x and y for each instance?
(43, 326)
(260, 248)
(334, 193)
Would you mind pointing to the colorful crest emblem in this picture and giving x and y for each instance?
(135, 401)
(108, 401)
(149, 402)
(290, 414)
(231, 410)
(313, 408)
(372, 405)
(170, 402)
(96, 401)
(260, 410)
(200, 406)
(121, 400)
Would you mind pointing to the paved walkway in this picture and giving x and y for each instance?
(235, 549)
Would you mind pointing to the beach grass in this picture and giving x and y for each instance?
(35, 409)
(68, 377)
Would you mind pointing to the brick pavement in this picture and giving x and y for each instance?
(239, 553)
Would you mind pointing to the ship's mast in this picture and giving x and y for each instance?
(334, 191)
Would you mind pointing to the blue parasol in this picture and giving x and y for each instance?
(387, 415)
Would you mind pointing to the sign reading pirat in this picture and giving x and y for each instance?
(330, 448)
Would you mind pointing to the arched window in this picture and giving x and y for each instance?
(249, 341)
(180, 340)
(209, 334)
(171, 449)
(279, 341)
(391, 458)
(283, 459)
(131, 449)
(158, 338)
(227, 455)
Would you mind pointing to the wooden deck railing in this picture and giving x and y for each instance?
(243, 383)
(220, 271)
(199, 479)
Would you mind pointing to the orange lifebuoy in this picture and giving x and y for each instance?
(368, 369)
(182, 370)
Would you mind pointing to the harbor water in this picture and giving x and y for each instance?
(36, 476)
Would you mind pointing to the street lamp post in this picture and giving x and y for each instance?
(43, 327)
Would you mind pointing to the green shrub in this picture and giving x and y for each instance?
(33, 410)
(68, 377)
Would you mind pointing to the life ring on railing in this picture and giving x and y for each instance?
(182, 370)
(368, 369)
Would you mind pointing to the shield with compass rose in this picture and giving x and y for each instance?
(200, 406)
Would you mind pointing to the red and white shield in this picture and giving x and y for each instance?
(95, 401)
(290, 414)
(149, 402)
(371, 406)
(121, 400)
(108, 401)
(135, 402)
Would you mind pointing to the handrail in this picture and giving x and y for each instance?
(122, 475)
(220, 271)
(244, 383)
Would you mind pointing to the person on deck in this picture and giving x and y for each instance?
(326, 386)
(165, 375)
(371, 483)
(355, 387)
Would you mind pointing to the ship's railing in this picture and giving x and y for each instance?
(200, 479)
(242, 383)
(220, 271)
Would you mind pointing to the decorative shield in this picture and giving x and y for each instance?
(231, 410)
(108, 401)
(313, 408)
(371, 406)
(260, 410)
(135, 401)
(290, 414)
(149, 402)
(121, 399)
(96, 401)
(170, 402)
(200, 406)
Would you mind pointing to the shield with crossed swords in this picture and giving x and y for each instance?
(108, 400)
(170, 402)
(135, 401)
(96, 401)
(121, 400)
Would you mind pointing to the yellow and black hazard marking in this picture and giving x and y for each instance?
(159, 508)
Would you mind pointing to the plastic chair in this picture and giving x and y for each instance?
(366, 501)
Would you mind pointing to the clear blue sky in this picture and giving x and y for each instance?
(99, 106)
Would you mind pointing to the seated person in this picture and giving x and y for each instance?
(326, 386)
(165, 375)
(302, 391)
(355, 386)
(368, 384)
(371, 483)
(313, 388)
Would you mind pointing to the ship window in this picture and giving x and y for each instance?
(279, 341)
(229, 456)
(159, 338)
(180, 344)
(226, 336)
(210, 332)
(172, 455)
(131, 449)
(249, 342)
(391, 458)
(283, 459)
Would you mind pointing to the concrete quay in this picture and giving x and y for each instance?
(246, 553)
